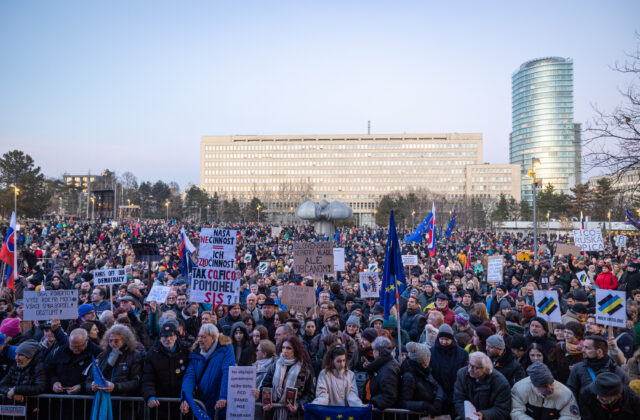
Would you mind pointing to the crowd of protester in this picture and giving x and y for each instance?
(461, 338)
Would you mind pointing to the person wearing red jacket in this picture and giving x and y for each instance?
(442, 305)
(606, 280)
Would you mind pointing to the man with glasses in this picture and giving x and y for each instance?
(486, 388)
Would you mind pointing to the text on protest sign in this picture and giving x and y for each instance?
(42, 306)
(588, 239)
(298, 297)
(338, 259)
(158, 294)
(621, 241)
(494, 269)
(215, 279)
(13, 410)
(276, 231)
(547, 306)
(311, 258)
(369, 285)
(611, 308)
(240, 400)
(107, 277)
(409, 260)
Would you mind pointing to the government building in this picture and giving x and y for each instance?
(284, 170)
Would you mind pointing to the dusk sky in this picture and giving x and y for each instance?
(133, 85)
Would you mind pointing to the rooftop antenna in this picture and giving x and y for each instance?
(369, 127)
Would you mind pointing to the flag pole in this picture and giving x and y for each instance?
(399, 330)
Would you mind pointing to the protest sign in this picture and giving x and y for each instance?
(247, 258)
(588, 239)
(369, 285)
(146, 251)
(611, 308)
(583, 278)
(158, 294)
(215, 279)
(241, 402)
(276, 231)
(42, 306)
(621, 241)
(411, 260)
(298, 297)
(338, 259)
(107, 277)
(566, 249)
(13, 411)
(313, 258)
(547, 306)
(494, 269)
(263, 266)
(373, 267)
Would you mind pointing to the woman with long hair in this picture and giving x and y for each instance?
(265, 351)
(292, 370)
(336, 383)
(241, 342)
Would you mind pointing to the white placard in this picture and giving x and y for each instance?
(338, 259)
(547, 306)
(241, 403)
(247, 258)
(276, 231)
(373, 267)
(470, 411)
(588, 239)
(215, 279)
(263, 266)
(109, 276)
(621, 241)
(583, 278)
(13, 411)
(369, 285)
(43, 306)
(611, 308)
(494, 269)
(158, 294)
(409, 260)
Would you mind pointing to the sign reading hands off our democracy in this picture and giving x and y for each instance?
(310, 258)
(107, 276)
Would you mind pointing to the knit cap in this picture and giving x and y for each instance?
(10, 327)
(462, 319)
(28, 348)
(418, 352)
(353, 320)
(445, 331)
(369, 334)
(542, 322)
(483, 333)
(540, 374)
(504, 304)
(496, 341)
(85, 309)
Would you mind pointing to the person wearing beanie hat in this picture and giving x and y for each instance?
(10, 327)
(352, 326)
(540, 396)
(376, 322)
(420, 391)
(445, 331)
(384, 374)
(27, 377)
(518, 345)
(539, 333)
(447, 357)
(609, 398)
(503, 359)
(577, 313)
(28, 349)
(86, 313)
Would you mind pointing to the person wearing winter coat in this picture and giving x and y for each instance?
(208, 370)
(630, 279)
(608, 398)
(486, 388)
(265, 351)
(413, 321)
(539, 396)
(420, 392)
(632, 367)
(164, 369)
(446, 359)
(27, 377)
(336, 384)
(384, 375)
(292, 370)
(503, 359)
(606, 279)
(241, 344)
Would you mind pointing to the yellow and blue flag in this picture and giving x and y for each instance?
(328, 412)
(393, 280)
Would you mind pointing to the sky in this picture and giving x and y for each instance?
(134, 85)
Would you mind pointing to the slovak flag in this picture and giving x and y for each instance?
(136, 231)
(467, 264)
(186, 249)
(581, 221)
(431, 239)
(8, 254)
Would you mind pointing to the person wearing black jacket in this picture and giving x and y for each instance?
(413, 321)
(241, 344)
(420, 391)
(384, 375)
(164, 368)
(609, 398)
(27, 377)
(503, 359)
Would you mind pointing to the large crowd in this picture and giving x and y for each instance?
(462, 339)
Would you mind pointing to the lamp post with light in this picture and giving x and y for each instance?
(16, 190)
(166, 204)
(258, 208)
(609, 229)
(535, 162)
(93, 207)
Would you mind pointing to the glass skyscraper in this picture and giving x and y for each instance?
(542, 124)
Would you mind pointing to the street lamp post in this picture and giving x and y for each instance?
(535, 162)
(548, 215)
(167, 206)
(16, 190)
(609, 217)
(291, 212)
(258, 208)
(413, 218)
(93, 207)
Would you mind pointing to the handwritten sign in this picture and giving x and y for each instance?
(215, 279)
(313, 258)
(338, 259)
(369, 285)
(108, 277)
(494, 269)
(566, 249)
(298, 297)
(158, 294)
(409, 260)
(611, 308)
(276, 231)
(547, 306)
(588, 239)
(240, 400)
(42, 306)
(621, 241)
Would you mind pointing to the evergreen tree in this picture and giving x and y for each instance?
(501, 213)
(603, 199)
(19, 169)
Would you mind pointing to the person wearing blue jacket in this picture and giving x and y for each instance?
(208, 371)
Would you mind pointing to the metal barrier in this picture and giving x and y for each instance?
(388, 414)
(78, 407)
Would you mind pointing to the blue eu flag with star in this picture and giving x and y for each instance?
(324, 412)
(393, 280)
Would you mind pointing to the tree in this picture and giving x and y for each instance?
(603, 198)
(514, 209)
(478, 214)
(526, 213)
(18, 168)
(581, 200)
(614, 137)
(195, 203)
(384, 210)
(501, 213)
(251, 212)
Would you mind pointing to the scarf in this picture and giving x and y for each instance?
(280, 382)
(573, 349)
(208, 353)
(263, 365)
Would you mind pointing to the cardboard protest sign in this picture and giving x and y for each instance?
(373, 267)
(369, 285)
(566, 249)
(583, 278)
(621, 241)
(298, 297)
(107, 276)
(158, 294)
(42, 306)
(494, 269)
(611, 308)
(547, 306)
(588, 239)
(241, 402)
(313, 258)
(215, 279)
(409, 260)
(338, 259)
(263, 266)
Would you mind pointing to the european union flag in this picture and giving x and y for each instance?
(630, 220)
(330, 412)
(417, 234)
(393, 280)
(101, 409)
(452, 225)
